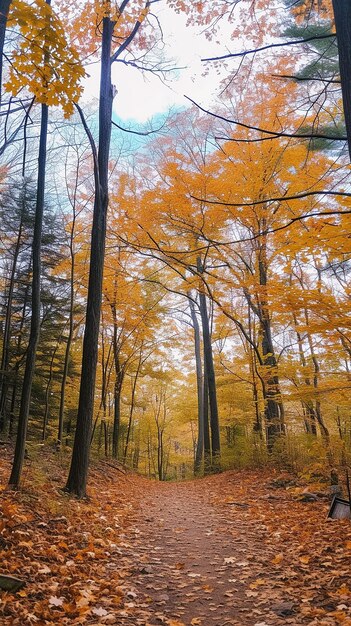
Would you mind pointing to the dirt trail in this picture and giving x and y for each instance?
(207, 557)
(191, 558)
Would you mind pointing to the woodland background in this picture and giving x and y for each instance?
(222, 269)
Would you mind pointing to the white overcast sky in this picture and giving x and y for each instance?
(140, 96)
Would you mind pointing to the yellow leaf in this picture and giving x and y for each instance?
(304, 559)
(278, 559)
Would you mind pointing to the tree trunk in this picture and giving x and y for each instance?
(257, 427)
(199, 384)
(160, 452)
(117, 414)
(119, 373)
(69, 337)
(4, 12)
(318, 411)
(210, 374)
(35, 319)
(130, 420)
(207, 438)
(77, 479)
(342, 17)
(17, 365)
(274, 413)
(47, 392)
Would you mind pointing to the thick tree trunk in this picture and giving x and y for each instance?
(210, 373)
(35, 319)
(274, 411)
(77, 479)
(273, 406)
(4, 12)
(342, 16)
(199, 384)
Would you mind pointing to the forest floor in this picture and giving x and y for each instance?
(238, 548)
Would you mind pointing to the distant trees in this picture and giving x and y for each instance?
(18, 215)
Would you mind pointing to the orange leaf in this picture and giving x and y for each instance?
(304, 559)
(277, 559)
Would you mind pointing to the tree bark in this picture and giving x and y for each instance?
(210, 373)
(274, 412)
(77, 478)
(35, 319)
(119, 374)
(4, 12)
(69, 336)
(17, 364)
(342, 17)
(199, 385)
(47, 392)
(117, 414)
(207, 437)
(132, 404)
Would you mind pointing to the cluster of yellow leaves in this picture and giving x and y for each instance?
(44, 63)
(84, 22)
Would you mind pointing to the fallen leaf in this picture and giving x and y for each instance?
(99, 611)
(54, 601)
(278, 559)
(304, 559)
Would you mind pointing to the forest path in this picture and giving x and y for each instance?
(192, 555)
(228, 550)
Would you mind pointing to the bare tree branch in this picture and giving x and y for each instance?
(267, 47)
(273, 134)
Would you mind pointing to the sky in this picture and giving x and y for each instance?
(140, 98)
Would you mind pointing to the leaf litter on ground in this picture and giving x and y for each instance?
(138, 552)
